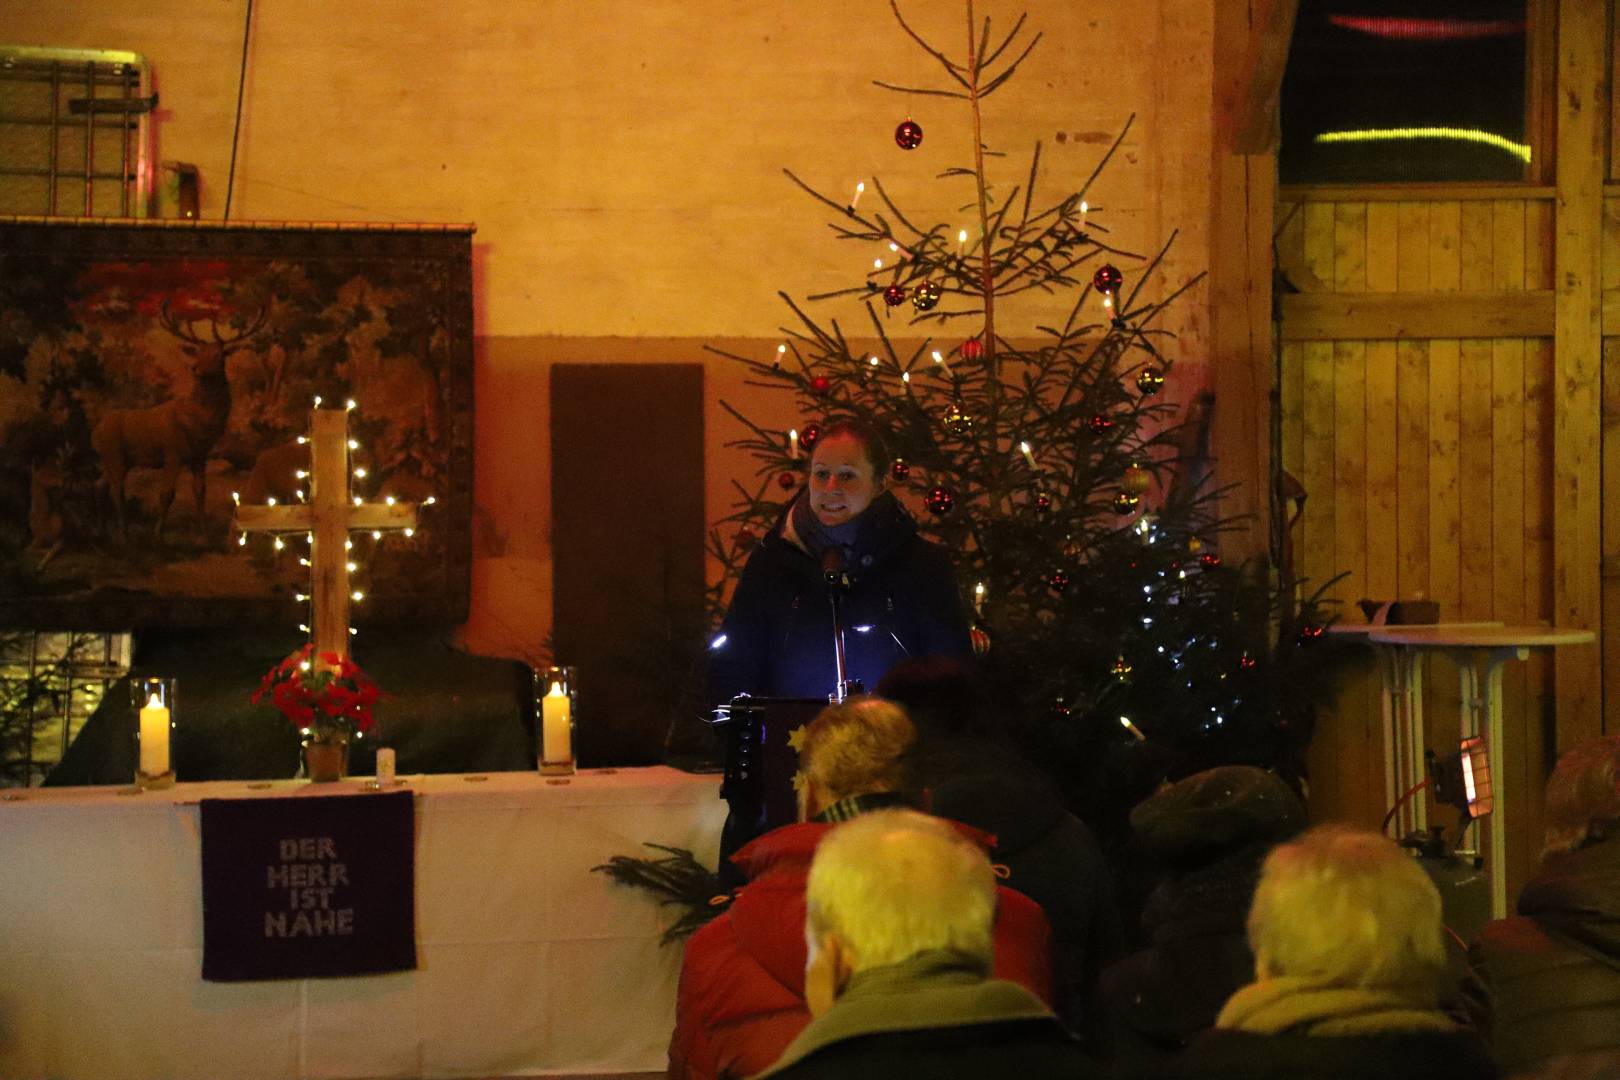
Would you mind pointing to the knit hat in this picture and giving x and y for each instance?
(1213, 813)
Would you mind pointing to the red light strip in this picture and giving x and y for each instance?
(1428, 29)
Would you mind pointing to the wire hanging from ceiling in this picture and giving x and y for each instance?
(236, 130)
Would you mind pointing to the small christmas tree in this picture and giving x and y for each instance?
(1050, 468)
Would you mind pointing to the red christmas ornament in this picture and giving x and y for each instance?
(787, 480)
(1107, 279)
(1150, 380)
(1057, 581)
(1043, 502)
(972, 349)
(908, 136)
(1247, 662)
(1099, 424)
(821, 384)
(745, 539)
(894, 295)
(939, 501)
(809, 436)
(1125, 502)
(1310, 632)
(1209, 559)
(980, 638)
(901, 468)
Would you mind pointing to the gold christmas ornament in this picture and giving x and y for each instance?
(956, 421)
(1136, 480)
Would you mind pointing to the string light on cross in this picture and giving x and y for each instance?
(328, 518)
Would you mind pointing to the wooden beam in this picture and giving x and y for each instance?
(1242, 213)
(1378, 316)
(1250, 125)
(1583, 42)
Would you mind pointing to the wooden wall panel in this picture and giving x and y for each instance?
(1428, 461)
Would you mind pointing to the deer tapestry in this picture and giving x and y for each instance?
(151, 372)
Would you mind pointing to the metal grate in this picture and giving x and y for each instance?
(74, 132)
(50, 683)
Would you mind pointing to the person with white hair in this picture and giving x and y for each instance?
(741, 998)
(898, 930)
(1552, 972)
(1349, 964)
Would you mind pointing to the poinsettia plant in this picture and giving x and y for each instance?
(320, 690)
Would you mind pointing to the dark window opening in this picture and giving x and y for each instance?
(1406, 90)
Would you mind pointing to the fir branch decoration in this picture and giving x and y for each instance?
(678, 880)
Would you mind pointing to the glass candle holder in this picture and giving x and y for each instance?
(554, 692)
(154, 701)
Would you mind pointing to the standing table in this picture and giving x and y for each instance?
(1480, 650)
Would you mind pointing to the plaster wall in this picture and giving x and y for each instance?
(623, 160)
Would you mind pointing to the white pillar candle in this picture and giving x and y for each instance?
(154, 738)
(556, 739)
(385, 767)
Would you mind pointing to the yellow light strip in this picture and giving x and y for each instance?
(1518, 150)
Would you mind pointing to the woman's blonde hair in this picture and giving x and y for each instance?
(1583, 795)
(858, 747)
(1347, 907)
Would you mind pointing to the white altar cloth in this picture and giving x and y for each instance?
(528, 962)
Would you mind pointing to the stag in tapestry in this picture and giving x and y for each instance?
(140, 396)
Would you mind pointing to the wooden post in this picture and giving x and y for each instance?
(328, 518)
(1255, 39)
(1583, 35)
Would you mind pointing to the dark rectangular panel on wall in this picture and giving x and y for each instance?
(627, 520)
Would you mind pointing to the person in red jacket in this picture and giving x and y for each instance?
(741, 996)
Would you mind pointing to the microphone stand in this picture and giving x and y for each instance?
(832, 572)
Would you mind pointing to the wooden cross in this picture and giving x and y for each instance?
(328, 518)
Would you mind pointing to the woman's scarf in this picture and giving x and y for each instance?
(862, 539)
(1303, 1006)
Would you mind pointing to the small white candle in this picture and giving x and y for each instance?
(961, 241)
(978, 599)
(1023, 448)
(556, 739)
(154, 738)
(1083, 209)
(940, 360)
(385, 767)
(855, 200)
(793, 443)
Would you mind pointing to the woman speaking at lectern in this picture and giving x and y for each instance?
(844, 532)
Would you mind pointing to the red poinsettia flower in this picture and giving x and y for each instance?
(320, 691)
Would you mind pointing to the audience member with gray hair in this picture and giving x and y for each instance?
(1552, 972)
(898, 923)
(1349, 963)
(741, 998)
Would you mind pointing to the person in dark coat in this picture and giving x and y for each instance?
(741, 997)
(898, 592)
(1349, 965)
(898, 915)
(1210, 832)
(1551, 973)
(971, 775)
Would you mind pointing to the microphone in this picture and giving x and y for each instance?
(832, 565)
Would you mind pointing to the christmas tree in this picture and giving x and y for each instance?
(1048, 464)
